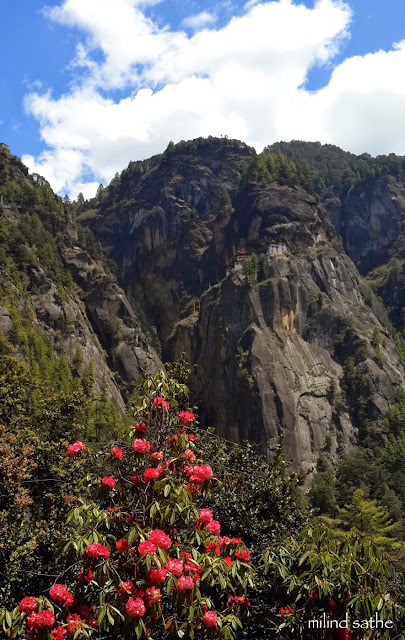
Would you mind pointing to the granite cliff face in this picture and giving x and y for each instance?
(282, 353)
(248, 276)
(365, 200)
(90, 313)
(371, 222)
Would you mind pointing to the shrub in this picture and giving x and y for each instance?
(143, 555)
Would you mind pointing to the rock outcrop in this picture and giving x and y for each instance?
(92, 314)
(270, 352)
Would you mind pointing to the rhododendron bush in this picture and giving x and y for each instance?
(144, 557)
(318, 578)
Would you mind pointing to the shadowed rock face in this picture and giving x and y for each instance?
(269, 354)
(370, 220)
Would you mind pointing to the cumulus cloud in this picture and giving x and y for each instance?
(246, 80)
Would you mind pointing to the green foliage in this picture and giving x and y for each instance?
(328, 166)
(260, 500)
(128, 512)
(322, 494)
(365, 519)
(312, 575)
(273, 167)
(251, 268)
(87, 241)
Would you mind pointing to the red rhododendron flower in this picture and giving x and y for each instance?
(243, 555)
(126, 587)
(40, 620)
(210, 546)
(122, 545)
(58, 633)
(223, 540)
(191, 437)
(214, 527)
(205, 516)
(174, 566)
(153, 596)
(96, 550)
(156, 575)
(189, 456)
(75, 448)
(161, 402)
(151, 474)
(117, 453)
(134, 478)
(146, 547)
(28, 604)
(74, 622)
(160, 539)
(59, 593)
(135, 608)
(286, 611)
(141, 446)
(93, 623)
(85, 576)
(210, 619)
(235, 540)
(108, 481)
(199, 473)
(140, 428)
(238, 600)
(185, 583)
(228, 560)
(186, 417)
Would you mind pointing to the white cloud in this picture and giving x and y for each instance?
(246, 80)
(199, 20)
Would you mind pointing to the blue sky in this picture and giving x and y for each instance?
(174, 69)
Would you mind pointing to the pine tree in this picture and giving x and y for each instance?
(365, 518)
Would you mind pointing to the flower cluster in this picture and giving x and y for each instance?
(210, 619)
(186, 417)
(108, 481)
(74, 448)
(140, 428)
(141, 446)
(117, 452)
(135, 608)
(28, 604)
(158, 543)
(160, 539)
(96, 550)
(199, 473)
(59, 593)
(161, 402)
(40, 620)
(122, 545)
(85, 576)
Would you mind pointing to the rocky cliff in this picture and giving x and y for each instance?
(365, 200)
(71, 299)
(284, 344)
